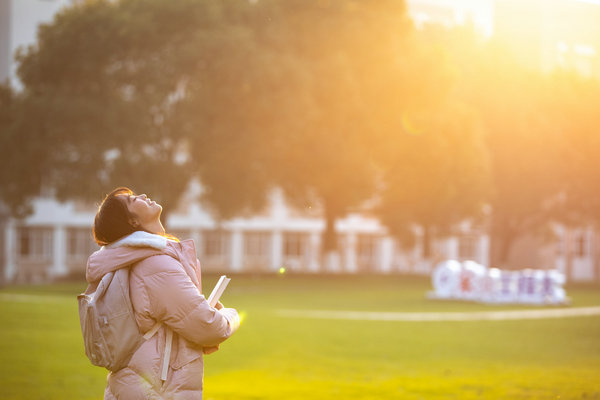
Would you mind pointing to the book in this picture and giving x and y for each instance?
(218, 290)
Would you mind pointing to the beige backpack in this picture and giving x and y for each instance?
(110, 333)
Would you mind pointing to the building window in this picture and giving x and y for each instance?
(467, 247)
(35, 244)
(257, 244)
(215, 243)
(366, 248)
(80, 243)
(294, 244)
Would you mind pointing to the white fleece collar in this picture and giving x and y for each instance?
(141, 239)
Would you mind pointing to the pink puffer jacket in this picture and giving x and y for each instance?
(165, 286)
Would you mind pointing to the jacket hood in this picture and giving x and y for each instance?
(126, 251)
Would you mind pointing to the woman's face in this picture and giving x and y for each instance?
(145, 210)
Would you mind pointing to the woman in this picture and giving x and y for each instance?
(165, 287)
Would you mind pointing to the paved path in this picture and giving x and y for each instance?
(443, 316)
(374, 315)
(37, 298)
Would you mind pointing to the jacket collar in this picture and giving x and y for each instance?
(141, 239)
(126, 251)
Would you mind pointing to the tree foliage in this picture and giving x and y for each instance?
(358, 70)
(244, 96)
(103, 90)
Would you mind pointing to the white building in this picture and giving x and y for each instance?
(56, 240)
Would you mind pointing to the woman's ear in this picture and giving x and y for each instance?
(134, 222)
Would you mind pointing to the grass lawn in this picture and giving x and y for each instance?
(276, 357)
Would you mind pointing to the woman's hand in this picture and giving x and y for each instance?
(211, 349)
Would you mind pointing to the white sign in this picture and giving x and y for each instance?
(472, 281)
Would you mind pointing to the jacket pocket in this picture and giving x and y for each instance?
(186, 353)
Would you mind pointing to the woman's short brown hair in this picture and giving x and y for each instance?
(112, 220)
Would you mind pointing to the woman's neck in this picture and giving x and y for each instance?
(155, 227)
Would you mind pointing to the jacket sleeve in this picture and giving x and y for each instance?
(174, 299)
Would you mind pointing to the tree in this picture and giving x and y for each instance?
(323, 86)
(105, 88)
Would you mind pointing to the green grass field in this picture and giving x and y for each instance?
(276, 357)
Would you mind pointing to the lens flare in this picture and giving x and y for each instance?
(409, 124)
(242, 315)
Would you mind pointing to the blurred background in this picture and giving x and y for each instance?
(327, 154)
(320, 136)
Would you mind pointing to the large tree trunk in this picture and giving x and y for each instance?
(3, 249)
(329, 234)
(426, 242)
(505, 244)
(329, 237)
(569, 253)
(330, 257)
(502, 238)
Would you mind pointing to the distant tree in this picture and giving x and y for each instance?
(355, 68)
(322, 89)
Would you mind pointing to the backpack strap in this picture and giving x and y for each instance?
(167, 355)
(168, 345)
(152, 330)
